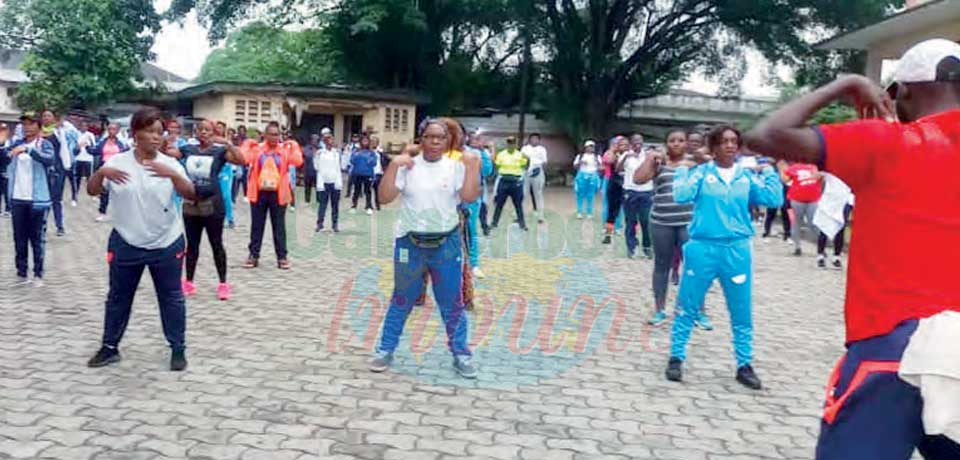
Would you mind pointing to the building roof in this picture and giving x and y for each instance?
(925, 16)
(302, 90)
(10, 61)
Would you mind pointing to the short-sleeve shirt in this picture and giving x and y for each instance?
(429, 196)
(903, 175)
(630, 165)
(805, 186)
(203, 167)
(143, 210)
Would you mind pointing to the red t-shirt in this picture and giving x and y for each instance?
(906, 229)
(805, 186)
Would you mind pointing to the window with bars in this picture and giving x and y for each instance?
(396, 120)
(404, 120)
(387, 119)
(252, 112)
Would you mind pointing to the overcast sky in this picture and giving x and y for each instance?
(182, 49)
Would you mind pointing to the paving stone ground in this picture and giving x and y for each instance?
(279, 371)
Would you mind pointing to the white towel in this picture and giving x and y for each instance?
(829, 215)
(931, 363)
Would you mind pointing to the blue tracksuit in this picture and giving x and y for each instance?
(226, 189)
(719, 248)
(585, 186)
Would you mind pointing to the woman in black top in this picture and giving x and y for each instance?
(203, 164)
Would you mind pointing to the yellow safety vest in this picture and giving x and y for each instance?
(511, 163)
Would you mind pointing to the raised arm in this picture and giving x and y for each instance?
(686, 184)
(785, 134)
(766, 189)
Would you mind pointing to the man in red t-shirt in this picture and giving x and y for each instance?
(805, 188)
(872, 413)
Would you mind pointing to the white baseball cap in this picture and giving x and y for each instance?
(922, 62)
(326, 132)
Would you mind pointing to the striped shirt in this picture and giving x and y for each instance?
(665, 210)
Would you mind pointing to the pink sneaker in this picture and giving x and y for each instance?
(188, 287)
(223, 291)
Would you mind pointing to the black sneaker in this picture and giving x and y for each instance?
(748, 378)
(821, 262)
(648, 253)
(607, 239)
(837, 264)
(104, 357)
(336, 229)
(61, 232)
(797, 252)
(178, 360)
(524, 228)
(675, 370)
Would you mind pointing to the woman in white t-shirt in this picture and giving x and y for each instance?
(431, 186)
(587, 181)
(147, 233)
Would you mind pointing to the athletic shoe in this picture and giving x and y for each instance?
(188, 287)
(292, 208)
(524, 228)
(748, 378)
(231, 225)
(381, 361)
(103, 218)
(797, 252)
(283, 264)
(22, 281)
(318, 229)
(479, 274)
(178, 360)
(821, 261)
(464, 366)
(675, 277)
(61, 232)
(837, 263)
(618, 232)
(675, 370)
(73, 203)
(369, 212)
(223, 291)
(606, 239)
(648, 253)
(579, 216)
(251, 263)
(37, 281)
(540, 220)
(245, 199)
(336, 229)
(659, 318)
(703, 322)
(104, 357)
(632, 254)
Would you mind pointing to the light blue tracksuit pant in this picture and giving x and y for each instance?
(585, 187)
(473, 240)
(226, 189)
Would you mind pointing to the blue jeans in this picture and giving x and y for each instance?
(29, 231)
(126, 268)
(444, 264)
(585, 187)
(636, 208)
(730, 261)
(57, 179)
(226, 189)
(880, 416)
(473, 239)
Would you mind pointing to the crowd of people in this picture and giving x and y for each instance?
(694, 203)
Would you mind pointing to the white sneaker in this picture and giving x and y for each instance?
(103, 218)
(579, 216)
(245, 199)
(478, 274)
(73, 203)
(293, 208)
(38, 282)
(369, 212)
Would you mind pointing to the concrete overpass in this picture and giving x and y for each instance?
(654, 117)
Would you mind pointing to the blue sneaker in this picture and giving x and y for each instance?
(659, 318)
(464, 366)
(381, 361)
(703, 322)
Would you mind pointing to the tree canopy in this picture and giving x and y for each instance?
(81, 53)
(258, 52)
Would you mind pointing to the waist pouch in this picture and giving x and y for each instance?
(201, 208)
(534, 172)
(430, 240)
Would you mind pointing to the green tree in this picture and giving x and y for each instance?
(262, 53)
(80, 53)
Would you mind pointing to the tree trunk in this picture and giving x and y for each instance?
(524, 85)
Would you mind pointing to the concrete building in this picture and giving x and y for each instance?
(888, 39)
(392, 115)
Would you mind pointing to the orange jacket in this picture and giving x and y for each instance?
(290, 155)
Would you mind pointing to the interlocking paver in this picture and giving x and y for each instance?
(279, 371)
